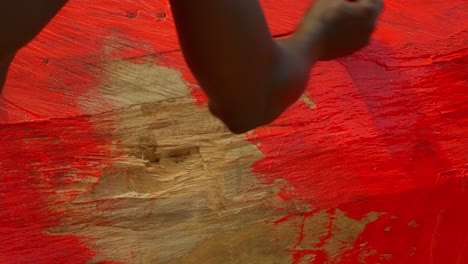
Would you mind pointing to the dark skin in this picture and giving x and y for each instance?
(249, 77)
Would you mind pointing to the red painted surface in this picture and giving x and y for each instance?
(389, 133)
(34, 177)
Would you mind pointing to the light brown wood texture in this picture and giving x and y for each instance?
(181, 189)
(106, 143)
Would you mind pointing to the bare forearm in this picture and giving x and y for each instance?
(22, 20)
(4, 65)
(244, 71)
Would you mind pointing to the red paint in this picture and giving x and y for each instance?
(37, 158)
(66, 59)
(389, 133)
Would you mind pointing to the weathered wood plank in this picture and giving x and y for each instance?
(67, 59)
(108, 154)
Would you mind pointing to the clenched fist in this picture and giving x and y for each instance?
(341, 27)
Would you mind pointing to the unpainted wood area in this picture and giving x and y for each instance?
(108, 153)
(180, 189)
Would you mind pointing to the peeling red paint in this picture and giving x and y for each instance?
(388, 135)
(380, 141)
(34, 176)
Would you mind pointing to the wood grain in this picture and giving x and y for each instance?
(108, 153)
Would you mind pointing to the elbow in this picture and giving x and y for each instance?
(239, 119)
(238, 127)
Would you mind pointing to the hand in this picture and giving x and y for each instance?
(341, 26)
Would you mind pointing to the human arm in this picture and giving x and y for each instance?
(21, 21)
(249, 77)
